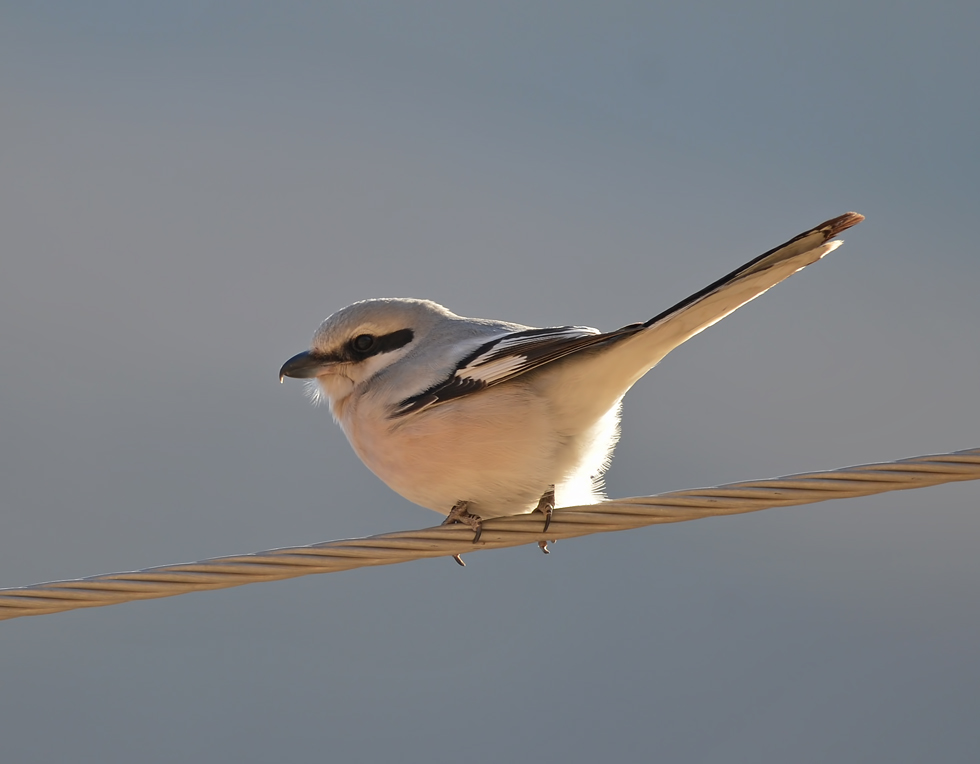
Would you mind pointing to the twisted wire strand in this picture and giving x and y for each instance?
(444, 541)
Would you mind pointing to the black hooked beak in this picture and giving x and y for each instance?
(307, 365)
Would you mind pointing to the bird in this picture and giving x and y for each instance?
(477, 418)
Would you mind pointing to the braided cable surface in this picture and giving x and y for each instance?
(515, 530)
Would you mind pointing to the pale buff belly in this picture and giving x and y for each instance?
(501, 462)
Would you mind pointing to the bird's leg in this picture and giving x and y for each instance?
(546, 506)
(459, 514)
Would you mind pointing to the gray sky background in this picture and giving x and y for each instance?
(187, 189)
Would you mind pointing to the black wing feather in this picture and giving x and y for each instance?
(509, 356)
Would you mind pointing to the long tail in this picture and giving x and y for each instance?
(604, 378)
(678, 324)
(702, 309)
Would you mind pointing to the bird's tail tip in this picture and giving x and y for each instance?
(839, 224)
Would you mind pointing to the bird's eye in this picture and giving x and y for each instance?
(363, 342)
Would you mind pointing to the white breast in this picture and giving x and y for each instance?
(499, 449)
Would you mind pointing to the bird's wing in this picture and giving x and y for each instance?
(639, 346)
(507, 356)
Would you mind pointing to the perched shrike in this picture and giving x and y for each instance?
(476, 418)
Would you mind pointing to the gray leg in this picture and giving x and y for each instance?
(546, 506)
(459, 514)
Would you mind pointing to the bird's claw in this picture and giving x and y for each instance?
(546, 506)
(458, 514)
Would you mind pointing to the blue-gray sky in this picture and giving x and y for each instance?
(187, 189)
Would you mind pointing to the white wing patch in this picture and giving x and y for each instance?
(489, 370)
(506, 356)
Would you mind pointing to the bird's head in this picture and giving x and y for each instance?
(361, 341)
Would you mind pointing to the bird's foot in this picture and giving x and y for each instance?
(543, 545)
(546, 506)
(459, 514)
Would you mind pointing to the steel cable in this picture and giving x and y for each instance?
(445, 541)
